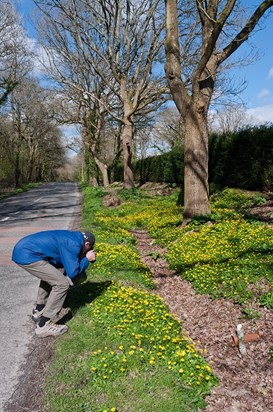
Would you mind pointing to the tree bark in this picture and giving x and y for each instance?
(193, 103)
(90, 137)
(194, 112)
(127, 143)
(196, 190)
(32, 145)
(104, 171)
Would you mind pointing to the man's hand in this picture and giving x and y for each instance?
(70, 281)
(91, 256)
(79, 279)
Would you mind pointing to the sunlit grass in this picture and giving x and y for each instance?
(124, 350)
(224, 254)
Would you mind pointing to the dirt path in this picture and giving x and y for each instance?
(246, 383)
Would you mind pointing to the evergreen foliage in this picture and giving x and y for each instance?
(167, 167)
(243, 160)
(240, 160)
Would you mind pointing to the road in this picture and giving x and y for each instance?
(51, 206)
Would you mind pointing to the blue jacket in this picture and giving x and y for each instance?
(61, 248)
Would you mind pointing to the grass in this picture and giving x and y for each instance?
(224, 255)
(14, 191)
(124, 350)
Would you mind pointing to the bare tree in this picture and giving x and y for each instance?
(168, 131)
(231, 119)
(209, 35)
(95, 133)
(15, 57)
(83, 96)
(120, 41)
(36, 143)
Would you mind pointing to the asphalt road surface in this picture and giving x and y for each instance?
(51, 206)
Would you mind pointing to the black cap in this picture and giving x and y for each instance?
(89, 237)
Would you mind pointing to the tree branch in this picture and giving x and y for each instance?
(242, 36)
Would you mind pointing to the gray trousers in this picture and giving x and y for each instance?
(53, 287)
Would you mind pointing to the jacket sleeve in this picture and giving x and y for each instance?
(73, 265)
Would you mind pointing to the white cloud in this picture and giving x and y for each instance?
(261, 114)
(270, 73)
(40, 57)
(263, 93)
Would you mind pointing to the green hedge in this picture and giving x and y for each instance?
(240, 160)
(167, 167)
(243, 160)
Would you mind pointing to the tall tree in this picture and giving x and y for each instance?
(204, 30)
(6, 152)
(85, 97)
(231, 119)
(15, 57)
(121, 41)
(36, 145)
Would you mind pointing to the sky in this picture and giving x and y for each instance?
(258, 95)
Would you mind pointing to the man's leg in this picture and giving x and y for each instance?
(42, 296)
(43, 293)
(56, 280)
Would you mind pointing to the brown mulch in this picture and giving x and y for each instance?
(246, 382)
(264, 212)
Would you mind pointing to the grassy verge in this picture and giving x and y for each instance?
(124, 351)
(13, 191)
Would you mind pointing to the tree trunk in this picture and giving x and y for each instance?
(193, 108)
(127, 142)
(31, 161)
(93, 181)
(196, 190)
(17, 171)
(104, 171)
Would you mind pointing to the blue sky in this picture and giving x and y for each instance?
(258, 95)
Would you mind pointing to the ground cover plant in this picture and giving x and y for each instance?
(124, 350)
(225, 255)
(7, 192)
